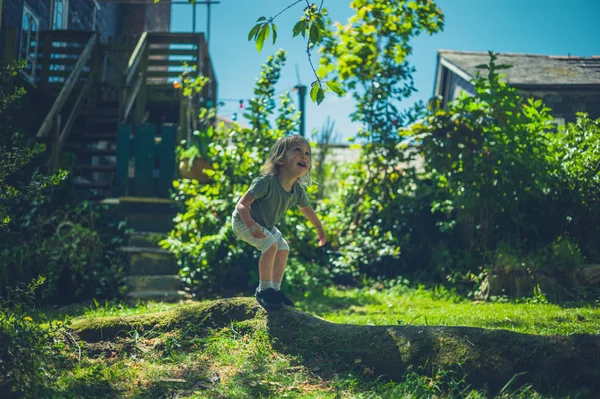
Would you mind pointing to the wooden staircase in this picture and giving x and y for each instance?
(107, 94)
(94, 145)
(153, 271)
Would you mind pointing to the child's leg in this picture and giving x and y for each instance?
(281, 259)
(266, 263)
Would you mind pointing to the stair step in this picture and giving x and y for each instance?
(103, 118)
(166, 296)
(91, 137)
(153, 283)
(101, 110)
(159, 222)
(138, 250)
(97, 168)
(102, 186)
(97, 151)
(144, 239)
(152, 264)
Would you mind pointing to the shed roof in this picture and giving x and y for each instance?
(529, 69)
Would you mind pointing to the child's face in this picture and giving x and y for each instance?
(297, 160)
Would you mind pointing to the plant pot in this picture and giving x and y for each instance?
(196, 171)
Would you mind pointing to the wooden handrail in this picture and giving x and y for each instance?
(68, 87)
(133, 70)
(134, 60)
(131, 99)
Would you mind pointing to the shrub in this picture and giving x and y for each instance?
(498, 190)
(42, 232)
(29, 351)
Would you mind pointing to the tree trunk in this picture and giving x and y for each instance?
(487, 357)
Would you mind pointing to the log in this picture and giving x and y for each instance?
(489, 358)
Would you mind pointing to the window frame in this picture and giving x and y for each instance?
(65, 15)
(25, 49)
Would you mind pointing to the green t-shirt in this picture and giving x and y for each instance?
(272, 201)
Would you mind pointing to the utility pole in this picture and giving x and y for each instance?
(302, 102)
(208, 14)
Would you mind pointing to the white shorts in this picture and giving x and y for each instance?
(263, 244)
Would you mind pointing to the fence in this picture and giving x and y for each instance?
(145, 160)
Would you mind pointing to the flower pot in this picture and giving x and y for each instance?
(196, 171)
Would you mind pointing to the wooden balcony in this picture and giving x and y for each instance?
(136, 72)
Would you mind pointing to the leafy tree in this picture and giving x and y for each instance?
(368, 57)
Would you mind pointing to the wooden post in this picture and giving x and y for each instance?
(123, 153)
(46, 60)
(1, 9)
(55, 144)
(183, 129)
(10, 48)
(144, 160)
(140, 102)
(166, 156)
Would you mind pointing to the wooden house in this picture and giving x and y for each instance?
(97, 67)
(566, 84)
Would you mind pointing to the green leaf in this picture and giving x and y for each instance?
(313, 91)
(300, 27)
(320, 96)
(262, 36)
(253, 32)
(261, 19)
(482, 66)
(315, 34)
(274, 32)
(335, 87)
(320, 23)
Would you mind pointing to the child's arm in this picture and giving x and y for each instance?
(243, 208)
(312, 217)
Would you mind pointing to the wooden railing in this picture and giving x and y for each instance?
(156, 62)
(135, 78)
(56, 69)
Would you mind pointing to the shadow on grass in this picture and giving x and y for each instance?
(326, 304)
(190, 382)
(90, 385)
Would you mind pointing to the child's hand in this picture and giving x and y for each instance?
(257, 231)
(322, 238)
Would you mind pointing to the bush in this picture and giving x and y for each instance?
(499, 190)
(42, 232)
(29, 351)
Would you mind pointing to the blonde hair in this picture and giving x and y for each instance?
(281, 146)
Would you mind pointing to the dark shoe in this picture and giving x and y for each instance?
(268, 299)
(286, 301)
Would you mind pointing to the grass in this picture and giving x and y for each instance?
(238, 362)
(401, 305)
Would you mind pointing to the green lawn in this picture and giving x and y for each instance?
(402, 305)
(235, 362)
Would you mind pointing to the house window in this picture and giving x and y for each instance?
(60, 13)
(29, 40)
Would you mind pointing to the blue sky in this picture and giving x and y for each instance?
(553, 27)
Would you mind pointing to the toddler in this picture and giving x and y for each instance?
(284, 177)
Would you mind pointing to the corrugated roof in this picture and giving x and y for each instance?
(531, 69)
